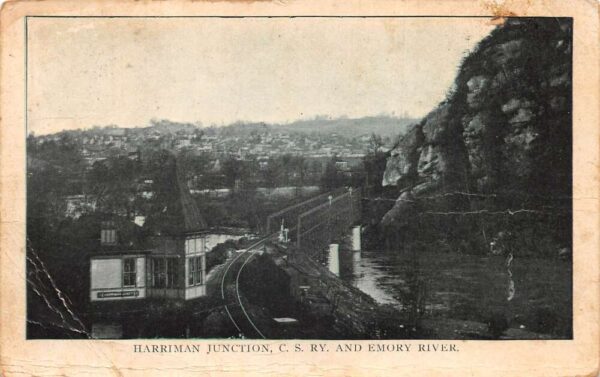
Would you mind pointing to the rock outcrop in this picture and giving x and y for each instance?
(505, 130)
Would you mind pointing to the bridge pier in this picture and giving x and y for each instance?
(334, 258)
(356, 238)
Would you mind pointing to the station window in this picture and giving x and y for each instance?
(194, 245)
(195, 271)
(129, 272)
(164, 272)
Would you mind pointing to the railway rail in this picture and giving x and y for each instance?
(236, 312)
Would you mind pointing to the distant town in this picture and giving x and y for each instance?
(347, 138)
(276, 158)
(262, 143)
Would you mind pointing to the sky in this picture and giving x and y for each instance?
(84, 72)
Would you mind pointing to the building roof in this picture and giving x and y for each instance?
(193, 219)
(173, 210)
(129, 237)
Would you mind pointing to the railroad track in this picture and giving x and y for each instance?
(236, 312)
(232, 301)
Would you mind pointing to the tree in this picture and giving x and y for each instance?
(113, 183)
(286, 167)
(233, 170)
(271, 174)
(375, 143)
(193, 164)
(374, 164)
(331, 178)
(301, 168)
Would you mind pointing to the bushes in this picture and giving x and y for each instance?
(218, 255)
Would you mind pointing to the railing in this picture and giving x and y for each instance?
(289, 215)
(320, 225)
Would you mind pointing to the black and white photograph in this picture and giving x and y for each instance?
(261, 178)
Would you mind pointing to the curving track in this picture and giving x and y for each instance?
(233, 304)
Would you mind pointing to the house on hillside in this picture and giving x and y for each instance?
(167, 258)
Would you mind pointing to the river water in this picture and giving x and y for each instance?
(533, 293)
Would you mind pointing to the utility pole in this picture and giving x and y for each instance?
(330, 197)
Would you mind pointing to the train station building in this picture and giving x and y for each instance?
(163, 259)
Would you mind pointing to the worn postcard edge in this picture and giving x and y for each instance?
(577, 357)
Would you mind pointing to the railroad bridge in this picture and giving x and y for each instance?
(318, 221)
(310, 225)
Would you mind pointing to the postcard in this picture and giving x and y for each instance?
(299, 188)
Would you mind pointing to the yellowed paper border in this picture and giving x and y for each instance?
(482, 358)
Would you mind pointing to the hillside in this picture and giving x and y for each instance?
(495, 157)
(381, 125)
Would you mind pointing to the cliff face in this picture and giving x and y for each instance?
(504, 130)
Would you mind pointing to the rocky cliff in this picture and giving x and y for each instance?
(501, 141)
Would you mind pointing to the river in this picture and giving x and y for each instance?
(533, 293)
